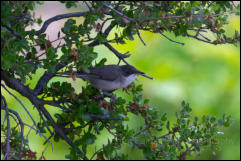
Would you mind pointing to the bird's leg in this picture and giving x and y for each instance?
(110, 95)
(101, 96)
(112, 98)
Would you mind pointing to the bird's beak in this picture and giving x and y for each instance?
(146, 76)
(143, 74)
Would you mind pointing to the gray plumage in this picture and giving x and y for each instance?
(111, 77)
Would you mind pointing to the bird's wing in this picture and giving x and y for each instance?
(107, 72)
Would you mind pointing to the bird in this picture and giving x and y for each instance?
(111, 77)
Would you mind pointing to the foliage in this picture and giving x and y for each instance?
(87, 114)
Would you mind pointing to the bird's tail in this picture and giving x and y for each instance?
(69, 75)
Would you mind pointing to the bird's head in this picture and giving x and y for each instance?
(128, 70)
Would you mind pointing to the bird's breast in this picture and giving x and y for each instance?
(105, 84)
(125, 81)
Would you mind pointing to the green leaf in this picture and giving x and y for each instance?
(128, 32)
(85, 69)
(101, 38)
(168, 125)
(58, 34)
(39, 21)
(51, 53)
(68, 26)
(120, 101)
(70, 4)
(90, 139)
(11, 58)
(86, 117)
(164, 117)
(94, 108)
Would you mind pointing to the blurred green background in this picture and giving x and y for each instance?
(205, 75)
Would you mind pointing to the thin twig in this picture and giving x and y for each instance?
(16, 121)
(45, 122)
(119, 13)
(207, 41)
(8, 129)
(96, 128)
(66, 130)
(171, 39)
(139, 35)
(146, 128)
(204, 37)
(22, 129)
(90, 9)
(96, 152)
(118, 54)
(32, 128)
(172, 17)
(136, 144)
(197, 32)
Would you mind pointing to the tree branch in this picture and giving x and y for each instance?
(13, 31)
(21, 122)
(46, 77)
(21, 104)
(56, 18)
(39, 104)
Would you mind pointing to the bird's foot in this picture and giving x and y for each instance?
(105, 94)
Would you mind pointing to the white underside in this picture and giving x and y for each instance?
(112, 85)
(128, 80)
